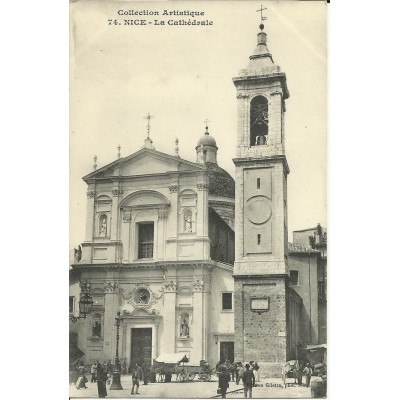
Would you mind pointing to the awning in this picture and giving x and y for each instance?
(75, 353)
(317, 346)
(172, 358)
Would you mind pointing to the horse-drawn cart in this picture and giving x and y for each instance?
(167, 364)
(291, 370)
(176, 363)
(188, 372)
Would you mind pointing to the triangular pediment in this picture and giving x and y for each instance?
(141, 313)
(145, 162)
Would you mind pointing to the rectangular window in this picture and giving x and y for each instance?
(258, 183)
(294, 278)
(146, 240)
(226, 301)
(258, 239)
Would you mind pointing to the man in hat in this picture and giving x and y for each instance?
(223, 381)
(248, 378)
(137, 375)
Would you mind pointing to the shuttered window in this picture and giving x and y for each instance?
(146, 240)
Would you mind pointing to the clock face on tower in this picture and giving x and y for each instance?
(258, 209)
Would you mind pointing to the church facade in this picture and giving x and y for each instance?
(196, 262)
(159, 248)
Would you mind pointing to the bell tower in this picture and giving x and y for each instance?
(261, 270)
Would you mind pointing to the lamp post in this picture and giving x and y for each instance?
(116, 381)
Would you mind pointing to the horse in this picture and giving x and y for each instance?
(291, 370)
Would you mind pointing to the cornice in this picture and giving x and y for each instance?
(209, 264)
(266, 159)
(102, 243)
(273, 76)
(258, 276)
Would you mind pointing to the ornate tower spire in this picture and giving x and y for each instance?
(119, 151)
(95, 163)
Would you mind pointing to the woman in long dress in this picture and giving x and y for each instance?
(101, 381)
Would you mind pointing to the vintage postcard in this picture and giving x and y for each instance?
(198, 199)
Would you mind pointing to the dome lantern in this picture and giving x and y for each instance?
(206, 149)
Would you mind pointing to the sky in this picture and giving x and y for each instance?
(182, 75)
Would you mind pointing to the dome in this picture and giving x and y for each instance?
(207, 140)
(219, 181)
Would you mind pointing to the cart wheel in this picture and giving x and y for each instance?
(207, 377)
(191, 376)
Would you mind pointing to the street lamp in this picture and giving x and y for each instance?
(116, 381)
(85, 303)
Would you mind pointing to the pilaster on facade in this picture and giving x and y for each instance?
(91, 194)
(117, 193)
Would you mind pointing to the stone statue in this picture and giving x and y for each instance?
(184, 327)
(188, 221)
(103, 228)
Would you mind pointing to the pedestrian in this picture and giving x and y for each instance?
(218, 366)
(109, 368)
(237, 369)
(252, 369)
(73, 374)
(93, 371)
(299, 375)
(232, 370)
(101, 381)
(146, 373)
(123, 368)
(227, 365)
(307, 372)
(256, 370)
(241, 372)
(81, 381)
(248, 378)
(223, 380)
(137, 375)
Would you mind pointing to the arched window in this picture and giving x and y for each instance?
(258, 121)
(103, 228)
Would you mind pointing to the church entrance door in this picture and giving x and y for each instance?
(141, 339)
(226, 351)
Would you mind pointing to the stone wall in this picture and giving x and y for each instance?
(261, 336)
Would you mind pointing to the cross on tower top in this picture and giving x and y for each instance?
(261, 15)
